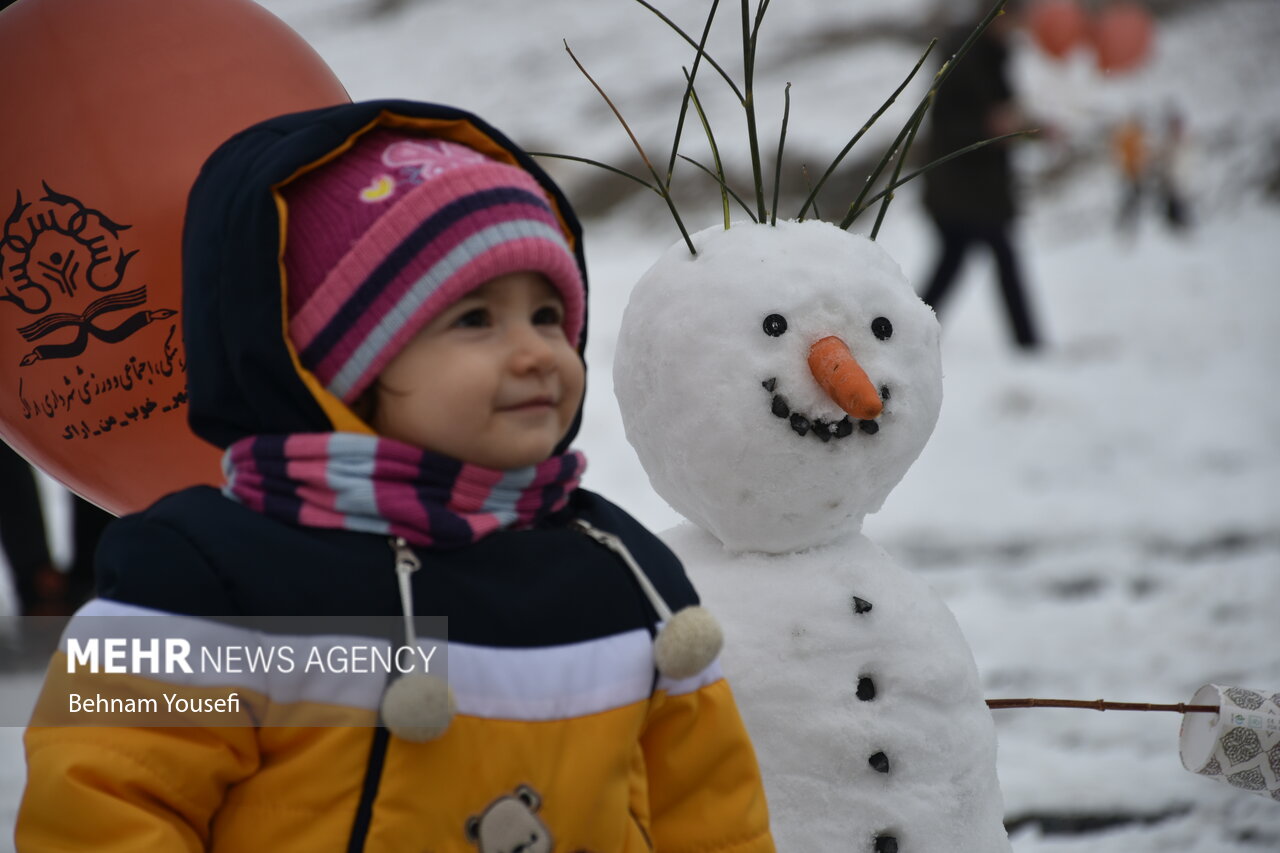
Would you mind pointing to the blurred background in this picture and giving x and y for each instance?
(1101, 510)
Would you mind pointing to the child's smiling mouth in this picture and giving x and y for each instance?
(539, 403)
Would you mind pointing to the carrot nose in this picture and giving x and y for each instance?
(844, 380)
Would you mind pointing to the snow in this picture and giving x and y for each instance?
(1103, 518)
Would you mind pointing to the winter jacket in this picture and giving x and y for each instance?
(565, 736)
(976, 188)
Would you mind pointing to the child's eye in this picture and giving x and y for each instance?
(548, 315)
(476, 318)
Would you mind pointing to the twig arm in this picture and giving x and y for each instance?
(1098, 705)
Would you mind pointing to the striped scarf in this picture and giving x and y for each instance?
(371, 484)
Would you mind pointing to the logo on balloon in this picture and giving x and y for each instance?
(67, 284)
(56, 253)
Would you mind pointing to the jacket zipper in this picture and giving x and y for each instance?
(406, 563)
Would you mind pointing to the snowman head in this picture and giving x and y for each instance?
(777, 385)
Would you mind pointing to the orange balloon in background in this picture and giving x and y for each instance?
(1123, 37)
(1058, 26)
(110, 107)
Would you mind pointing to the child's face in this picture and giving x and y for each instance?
(492, 380)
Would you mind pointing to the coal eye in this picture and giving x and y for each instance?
(775, 325)
(882, 328)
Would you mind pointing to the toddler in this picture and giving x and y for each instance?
(385, 316)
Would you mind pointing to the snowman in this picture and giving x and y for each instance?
(776, 387)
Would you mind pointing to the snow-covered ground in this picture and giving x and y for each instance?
(1102, 517)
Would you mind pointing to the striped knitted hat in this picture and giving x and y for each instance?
(390, 233)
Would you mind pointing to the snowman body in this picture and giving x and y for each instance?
(860, 694)
(858, 688)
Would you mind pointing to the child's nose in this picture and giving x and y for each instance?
(531, 351)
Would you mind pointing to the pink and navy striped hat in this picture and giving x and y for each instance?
(383, 238)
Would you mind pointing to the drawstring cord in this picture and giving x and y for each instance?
(418, 706)
(688, 641)
(614, 543)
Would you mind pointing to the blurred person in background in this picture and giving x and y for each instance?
(1152, 169)
(1169, 168)
(44, 590)
(1129, 148)
(972, 200)
(22, 534)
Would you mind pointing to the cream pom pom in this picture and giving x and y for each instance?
(688, 643)
(418, 707)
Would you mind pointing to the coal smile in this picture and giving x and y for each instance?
(823, 430)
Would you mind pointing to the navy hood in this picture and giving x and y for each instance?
(243, 374)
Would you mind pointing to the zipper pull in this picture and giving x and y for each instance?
(407, 562)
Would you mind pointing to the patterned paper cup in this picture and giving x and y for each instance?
(1240, 745)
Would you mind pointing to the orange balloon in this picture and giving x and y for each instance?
(1058, 26)
(1123, 37)
(109, 111)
